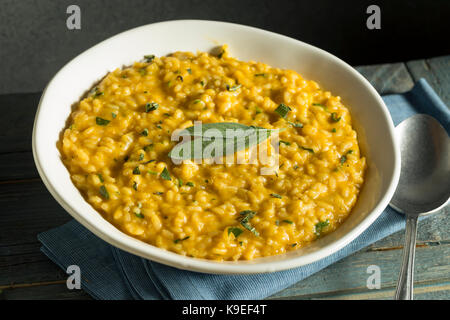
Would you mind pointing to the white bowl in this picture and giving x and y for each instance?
(371, 120)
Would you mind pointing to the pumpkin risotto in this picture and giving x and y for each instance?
(117, 144)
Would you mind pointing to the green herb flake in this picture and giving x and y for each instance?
(202, 83)
(148, 147)
(197, 101)
(235, 230)
(165, 174)
(190, 184)
(233, 88)
(287, 143)
(288, 221)
(101, 121)
(180, 182)
(158, 126)
(158, 193)
(189, 70)
(334, 117)
(275, 195)
(149, 58)
(139, 214)
(344, 157)
(320, 105)
(283, 110)
(247, 215)
(180, 78)
(113, 115)
(143, 71)
(151, 106)
(135, 186)
(296, 124)
(258, 110)
(136, 170)
(179, 240)
(308, 149)
(95, 93)
(104, 193)
(145, 132)
(320, 226)
(100, 177)
(260, 74)
(153, 173)
(333, 130)
(277, 222)
(141, 156)
(293, 245)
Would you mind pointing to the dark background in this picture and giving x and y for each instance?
(35, 42)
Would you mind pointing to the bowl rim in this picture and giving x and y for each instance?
(209, 266)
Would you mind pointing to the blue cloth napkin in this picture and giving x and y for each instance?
(110, 273)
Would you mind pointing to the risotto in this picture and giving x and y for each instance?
(118, 138)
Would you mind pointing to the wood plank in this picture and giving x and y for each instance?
(431, 266)
(17, 166)
(436, 71)
(388, 78)
(27, 209)
(51, 291)
(17, 120)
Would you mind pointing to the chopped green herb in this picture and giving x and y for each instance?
(145, 132)
(258, 110)
(180, 78)
(104, 193)
(284, 142)
(308, 149)
(344, 157)
(149, 161)
(167, 114)
(125, 159)
(275, 195)
(283, 110)
(241, 243)
(235, 230)
(151, 106)
(296, 124)
(320, 226)
(178, 240)
(260, 74)
(101, 121)
(113, 115)
(247, 215)
(277, 222)
(334, 117)
(158, 126)
(149, 57)
(333, 130)
(148, 147)
(202, 83)
(320, 105)
(135, 185)
(165, 174)
(143, 71)
(136, 170)
(153, 173)
(141, 156)
(100, 177)
(288, 221)
(190, 184)
(197, 101)
(189, 70)
(158, 193)
(139, 214)
(293, 245)
(233, 88)
(95, 93)
(180, 182)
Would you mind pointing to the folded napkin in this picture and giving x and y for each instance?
(110, 273)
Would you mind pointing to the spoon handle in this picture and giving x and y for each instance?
(405, 283)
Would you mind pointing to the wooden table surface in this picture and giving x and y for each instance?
(27, 208)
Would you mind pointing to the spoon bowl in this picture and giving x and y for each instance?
(424, 185)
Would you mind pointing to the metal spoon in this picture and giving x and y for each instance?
(424, 185)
